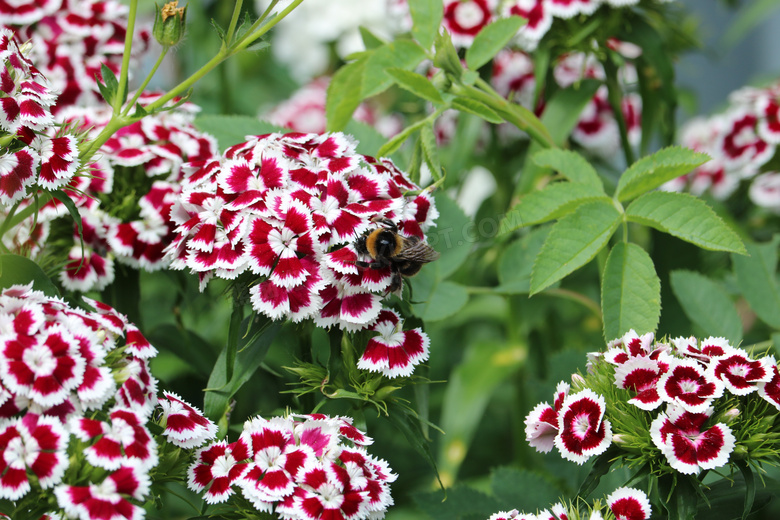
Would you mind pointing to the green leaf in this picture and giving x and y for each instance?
(426, 19)
(370, 40)
(109, 88)
(72, 210)
(16, 270)
(345, 94)
(404, 54)
(233, 129)
(369, 139)
(472, 106)
(685, 217)
(491, 39)
(186, 345)
(516, 263)
(453, 237)
(757, 280)
(430, 150)
(600, 467)
(415, 83)
(682, 496)
(652, 171)
(630, 292)
(707, 305)
(395, 142)
(538, 493)
(571, 165)
(485, 365)
(560, 116)
(750, 487)
(442, 300)
(408, 423)
(553, 201)
(459, 502)
(252, 348)
(574, 241)
(748, 19)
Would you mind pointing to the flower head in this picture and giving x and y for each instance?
(583, 431)
(185, 426)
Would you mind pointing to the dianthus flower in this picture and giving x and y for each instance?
(289, 208)
(298, 467)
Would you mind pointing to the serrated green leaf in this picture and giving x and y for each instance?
(707, 305)
(16, 270)
(345, 93)
(485, 365)
(403, 54)
(491, 39)
(233, 129)
(426, 19)
(415, 83)
(650, 172)
(538, 493)
(574, 241)
(571, 165)
(551, 202)
(561, 113)
(757, 280)
(110, 87)
(250, 354)
(395, 142)
(630, 292)
(685, 217)
(472, 106)
(370, 40)
(517, 261)
(257, 46)
(430, 151)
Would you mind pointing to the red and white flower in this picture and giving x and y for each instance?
(464, 20)
(583, 431)
(740, 374)
(688, 385)
(538, 18)
(31, 445)
(687, 446)
(123, 437)
(108, 500)
(770, 390)
(541, 424)
(185, 425)
(216, 468)
(765, 191)
(394, 351)
(629, 504)
(641, 375)
(740, 147)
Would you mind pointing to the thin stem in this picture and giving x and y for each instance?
(577, 297)
(615, 99)
(5, 225)
(110, 129)
(233, 22)
(16, 218)
(253, 35)
(123, 73)
(146, 81)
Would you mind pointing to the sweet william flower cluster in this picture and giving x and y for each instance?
(286, 209)
(698, 403)
(304, 467)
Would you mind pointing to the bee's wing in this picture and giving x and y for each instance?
(415, 250)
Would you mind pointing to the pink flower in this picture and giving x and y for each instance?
(629, 504)
(688, 385)
(109, 500)
(741, 374)
(582, 429)
(394, 351)
(686, 446)
(185, 426)
(31, 445)
(216, 468)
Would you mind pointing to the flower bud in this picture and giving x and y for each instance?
(578, 381)
(730, 415)
(169, 23)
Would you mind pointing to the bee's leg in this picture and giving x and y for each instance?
(379, 263)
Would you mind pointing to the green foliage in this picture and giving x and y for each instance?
(426, 20)
(654, 170)
(16, 270)
(707, 304)
(757, 279)
(492, 39)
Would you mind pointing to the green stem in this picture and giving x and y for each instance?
(615, 98)
(15, 218)
(146, 81)
(577, 297)
(233, 22)
(123, 73)
(110, 129)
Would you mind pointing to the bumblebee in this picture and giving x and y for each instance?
(386, 248)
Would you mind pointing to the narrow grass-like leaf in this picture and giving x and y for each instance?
(415, 83)
(491, 39)
(652, 171)
(472, 106)
(430, 151)
(571, 165)
(707, 305)
(757, 280)
(551, 202)
(406, 421)
(345, 93)
(686, 217)
(16, 270)
(233, 129)
(426, 20)
(630, 292)
(484, 366)
(404, 54)
(574, 241)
